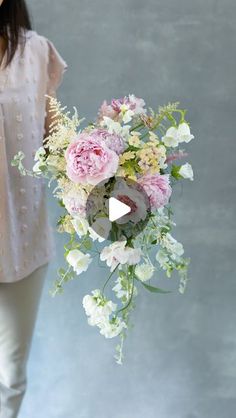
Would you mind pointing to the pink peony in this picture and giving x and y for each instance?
(113, 141)
(157, 188)
(89, 160)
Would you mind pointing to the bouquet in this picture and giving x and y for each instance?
(123, 162)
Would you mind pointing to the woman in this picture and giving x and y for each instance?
(30, 68)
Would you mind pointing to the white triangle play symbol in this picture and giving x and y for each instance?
(117, 209)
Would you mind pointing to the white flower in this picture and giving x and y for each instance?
(111, 329)
(174, 136)
(186, 171)
(75, 200)
(97, 303)
(37, 167)
(98, 308)
(184, 133)
(115, 127)
(173, 246)
(89, 304)
(40, 153)
(118, 253)
(100, 229)
(78, 260)
(162, 259)
(81, 225)
(127, 114)
(101, 313)
(171, 137)
(137, 104)
(122, 288)
(144, 271)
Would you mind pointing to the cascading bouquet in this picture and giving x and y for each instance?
(129, 153)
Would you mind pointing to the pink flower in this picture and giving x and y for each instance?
(117, 103)
(157, 188)
(107, 110)
(136, 104)
(113, 110)
(176, 156)
(113, 141)
(89, 160)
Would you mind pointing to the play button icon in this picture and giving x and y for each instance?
(117, 209)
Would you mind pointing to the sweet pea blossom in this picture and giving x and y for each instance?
(89, 160)
(112, 328)
(97, 307)
(123, 109)
(117, 253)
(157, 188)
(176, 135)
(107, 110)
(186, 171)
(78, 260)
(174, 247)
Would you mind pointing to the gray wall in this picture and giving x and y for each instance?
(181, 355)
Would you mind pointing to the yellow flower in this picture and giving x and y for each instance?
(66, 225)
(129, 155)
(153, 137)
(134, 140)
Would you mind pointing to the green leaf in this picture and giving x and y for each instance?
(175, 172)
(154, 289)
(87, 244)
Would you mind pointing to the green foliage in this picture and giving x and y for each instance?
(154, 289)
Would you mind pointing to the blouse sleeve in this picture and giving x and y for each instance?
(56, 68)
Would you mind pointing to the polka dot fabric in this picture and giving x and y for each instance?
(26, 240)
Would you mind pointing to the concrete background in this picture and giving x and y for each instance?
(181, 356)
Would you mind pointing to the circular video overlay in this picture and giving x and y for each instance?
(117, 211)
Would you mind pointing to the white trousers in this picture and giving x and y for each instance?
(19, 303)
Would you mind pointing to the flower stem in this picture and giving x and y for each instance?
(109, 277)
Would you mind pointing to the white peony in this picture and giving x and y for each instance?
(78, 260)
(81, 225)
(175, 135)
(144, 271)
(186, 171)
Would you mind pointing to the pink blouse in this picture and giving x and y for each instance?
(26, 240)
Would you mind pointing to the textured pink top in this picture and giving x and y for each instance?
(26, 241)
